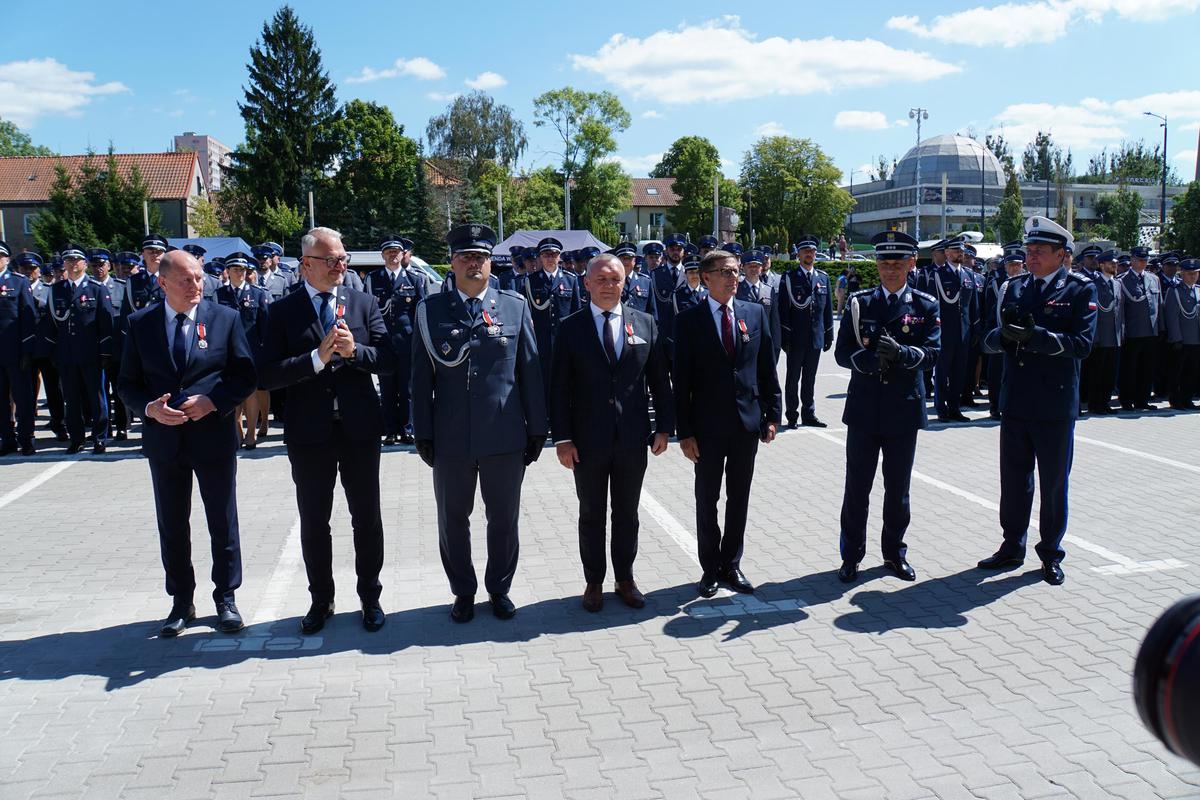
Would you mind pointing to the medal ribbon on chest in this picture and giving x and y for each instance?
(742, 328)
(201, 334)
(628, 333)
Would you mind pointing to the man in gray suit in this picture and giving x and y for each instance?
(479, 414)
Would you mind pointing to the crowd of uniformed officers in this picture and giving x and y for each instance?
(608, 354)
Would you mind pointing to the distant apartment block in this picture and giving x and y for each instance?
(213, 155)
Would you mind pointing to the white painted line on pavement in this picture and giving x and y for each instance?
(843, 375)
(1131, 452)
(668, 523)
(1121, 565)
(30, 485)
(281, 578)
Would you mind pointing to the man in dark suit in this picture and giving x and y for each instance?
(185, 368)
(323, 344)
(889, 336)
(605, 358)
(727, 399)
(479, 415)
(18, 333)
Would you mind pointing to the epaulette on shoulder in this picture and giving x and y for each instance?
(1080, 277)
(512, 293)
(862, 292)
(928, 297)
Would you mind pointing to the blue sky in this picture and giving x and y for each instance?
(844, 74)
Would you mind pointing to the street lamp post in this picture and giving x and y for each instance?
(918, 114)
(1162, 200)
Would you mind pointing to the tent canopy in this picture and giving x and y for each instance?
(571, 240)
(215, 246)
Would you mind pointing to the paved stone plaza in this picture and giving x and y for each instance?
(963, 685)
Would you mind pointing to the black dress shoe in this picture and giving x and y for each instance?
(735, 580)
(74, 447)
(994, 414)
(463, 609)
(228, 618)
(60, 433)
(707, 585)
(407, 438)
(373, 617)
(958, 416)
(249, 445)
(99, 447)
(1146, 407)
(848, 572)
(943, 417)
(177, 620)
(314, 620)
(901, 569)
(813, 422)
(1052, 573)
(1000, 560)
(122, 436)
(502, 607)
(791, 425)
(27, 449)
(389, 440)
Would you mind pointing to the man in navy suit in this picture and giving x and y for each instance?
(727, 399)
(324, 342)
(479, 415)
(18, 332)
(1046, 327)
(605, 358)
(889, 336)
(186, 366)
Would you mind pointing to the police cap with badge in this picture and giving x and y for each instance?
(194, 249)
(893, 245)
(472, 237)
(805, 242)
(155, 242)
(98, 255)
(127, 258)
(392, 241)
(733, 248)
(653, 248)
(708, 240)
(1042, 230)
(675, 240)
(625, 249)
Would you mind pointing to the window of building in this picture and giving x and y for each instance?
(27, 224)
(657, 218)
(651, 190)
(621, 228)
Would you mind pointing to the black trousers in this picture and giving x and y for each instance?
(499, 478)
(394, 392)
(118, 416)
(1164, 366)
(862, 457)
(1050, 444)
(84, 400)
(172, 482)
(315, 470)
(1101, 367)
(800, 382)
(995, 375)
(949, 377)
(1185, 367)
(620, 470)
(728, 459)
(1137, 370)
(15, 384)
(54, 397)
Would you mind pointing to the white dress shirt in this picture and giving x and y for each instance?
(717, 314)
(614, 324)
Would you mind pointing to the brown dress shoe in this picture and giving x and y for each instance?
(593, 598)
(629, 592)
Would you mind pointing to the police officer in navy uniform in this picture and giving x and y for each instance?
(639, 287)
(1046, 327)
(79, 330)
(553, 295)
(41, 277)
(806, 318)
(18, 340)
(479, 415)
(583, 255)
(250, 302)
(889, 335)
(211, 281)
(142, 288)
(664, 279)
(513, 279)
(1164, 354)
(397, 289)
(954, 288)
(99, 262)
(1141, 298)
(270, 277)
(690, 293)
(1098, 373)
(1181, 309)
(753, 288)
(1013, 264)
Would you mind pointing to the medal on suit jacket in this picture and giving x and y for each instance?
(629, 333)
(745, 333)
(201, 332)
(341, 310)
(492, 327)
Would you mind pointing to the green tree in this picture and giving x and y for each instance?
(1003, 151)
(15, 142)
(203, 218)
(1132, 161)
(883, 167)
(474, 131)
(280, 220)
(1183, 229)
(693, 162)
(794, 185)
(1119, 211)
(290, 113)
(1009, 220)
(587, 124)
(537, 202)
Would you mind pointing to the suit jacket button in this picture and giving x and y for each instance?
(611, 401)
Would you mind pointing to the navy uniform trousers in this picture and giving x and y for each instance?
(862, 455)
(1051, 445)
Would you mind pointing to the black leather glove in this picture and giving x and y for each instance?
(1020, 334)
(25, 364)
(533, 448)
(425, 451)
(888, 350)
(1176, 345)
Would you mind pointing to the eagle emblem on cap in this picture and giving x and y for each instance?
(891, 237)
(475, 231)
(1034, 221)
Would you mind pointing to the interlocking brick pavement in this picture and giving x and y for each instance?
(963, 684)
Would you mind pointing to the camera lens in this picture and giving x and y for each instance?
(1166, 679)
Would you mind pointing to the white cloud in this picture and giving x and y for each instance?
(40, 87)
(442, 97)
(651, 114)
(638, 166)
(770, 129)
(860, 121)
(420, 67)
(1191, 126)
(486, 80)
(1185, 163)
(1038, 22)
(720, 61)
(1094, 123)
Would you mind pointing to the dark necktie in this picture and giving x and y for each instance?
(326, 312)
(179, 344)
(473, 305)
(893, 301)
(727, 330)
(610, 346)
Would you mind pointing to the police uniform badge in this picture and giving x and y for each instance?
(445, 348)
(1061, 283)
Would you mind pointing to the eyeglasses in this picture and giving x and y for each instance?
(727, 272)
(333, 261)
